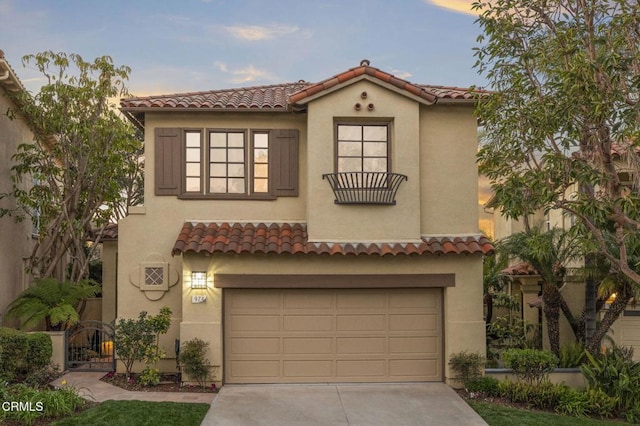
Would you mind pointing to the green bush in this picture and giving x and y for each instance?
(530, 365)
(485, 385)
(137, 339)
(192, 360)
(40, 351)
(618, 376)
(150, 376)
(571, 355)
(22, 354)
(43, 403)
(543, 395)
(467, 366)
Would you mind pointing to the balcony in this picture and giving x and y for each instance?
(365, 187)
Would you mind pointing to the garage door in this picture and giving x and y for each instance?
(332, 335)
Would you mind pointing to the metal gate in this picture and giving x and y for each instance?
(90, 347)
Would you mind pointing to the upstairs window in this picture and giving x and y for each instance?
(227, 163)
(363, 148)
(234, 164)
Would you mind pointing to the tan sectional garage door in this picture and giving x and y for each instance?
(332, 335)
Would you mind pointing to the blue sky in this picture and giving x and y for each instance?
(194, 45)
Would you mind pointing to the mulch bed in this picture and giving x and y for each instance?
(168, 383)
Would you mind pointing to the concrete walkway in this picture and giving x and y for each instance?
(344, 404)
(92, 388)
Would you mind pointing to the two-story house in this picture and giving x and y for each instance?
(311, 232)
(16, 242)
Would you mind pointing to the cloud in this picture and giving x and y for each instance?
(460, 6)
(257, 32)
(401, 74)
(244, 75)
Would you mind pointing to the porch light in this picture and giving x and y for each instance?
(199, 280)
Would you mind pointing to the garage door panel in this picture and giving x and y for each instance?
(357, 335)
(304, 345)
(254, 346)
(259, 299)
(255, 323)
(426, 368)
(308, 323)
(307, 368)
(308, 300)
(402, 300)
(427, 345)
(413, 322)
(360, 300)
(360, 368)
(361, 345)
(361, 323)
(252, 370)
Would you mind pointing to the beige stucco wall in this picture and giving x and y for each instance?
(16, 241)
(328, 221)
(449, 177)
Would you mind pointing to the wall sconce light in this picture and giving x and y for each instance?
(199, 279)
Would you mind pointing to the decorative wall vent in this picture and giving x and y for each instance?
(153, 276)
(365, 187)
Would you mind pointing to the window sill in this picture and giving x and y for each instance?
(253, 197)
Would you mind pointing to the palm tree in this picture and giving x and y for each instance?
(53, 301)
(548, 252)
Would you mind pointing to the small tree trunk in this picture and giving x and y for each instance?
(551, 301)
(612, 314)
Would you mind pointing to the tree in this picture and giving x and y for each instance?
(53, 301)
(563, 120)
(138, 339)
(81, 151)
(549, 253)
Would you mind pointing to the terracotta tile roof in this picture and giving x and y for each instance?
(110, 233)
(429, 93)
(291, 238)
(272, 97)
(522, 268)
(283, 97)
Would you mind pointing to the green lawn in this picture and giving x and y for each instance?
(497, 415)
(115, 413)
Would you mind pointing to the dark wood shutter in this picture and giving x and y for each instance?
(283, 145)
(168, 161)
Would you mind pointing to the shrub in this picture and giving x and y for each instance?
(543, 395)
(485, 385)
(22, 354)
(530, 365)
(44, 403)
(571, 355)
(618, 376)
(192, 360)
(150, 376)
(40, 351)
(467, 366)
(137, 339)
(573, 403)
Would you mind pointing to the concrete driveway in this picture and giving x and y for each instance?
(342, 404)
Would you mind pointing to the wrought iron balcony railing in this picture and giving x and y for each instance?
(365, 187)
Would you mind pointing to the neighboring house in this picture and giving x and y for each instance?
(321, 232)
(526, 284)
(16, 241)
